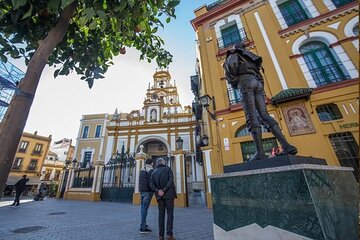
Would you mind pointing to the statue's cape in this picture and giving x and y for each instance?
(244, 52)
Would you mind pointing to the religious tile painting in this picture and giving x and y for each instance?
(298, 120)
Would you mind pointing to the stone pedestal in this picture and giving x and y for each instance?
(289, 202)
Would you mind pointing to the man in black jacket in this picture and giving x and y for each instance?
(20, 186)
(146, 193)
(162, 183)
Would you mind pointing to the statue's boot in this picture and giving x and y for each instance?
(260, 154)
(288, 149)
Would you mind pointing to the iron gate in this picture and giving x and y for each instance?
(118, 179)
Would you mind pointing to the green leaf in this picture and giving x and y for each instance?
(93, 24)
(56, 73)
(168, 20)
(65, 3)
(173, 3)
(90, 13)
(101, 14)
(53, 5)
(131, 2)
(90, 82)
(18, 3)
(154, 30)
(28, 13)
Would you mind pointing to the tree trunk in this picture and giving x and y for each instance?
(12, 126)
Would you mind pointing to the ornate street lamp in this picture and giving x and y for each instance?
(205, 103)
(205, 100)
(179, 143)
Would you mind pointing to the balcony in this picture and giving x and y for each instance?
(296, 17)
(16, 168)
(31, 169)
(215, 4)
(36, 152)
(235, 97)
(22, 150)
(231, 38)
(328, 74)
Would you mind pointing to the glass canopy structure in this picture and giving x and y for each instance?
(10, 76)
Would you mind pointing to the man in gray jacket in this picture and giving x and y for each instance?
(162, 183)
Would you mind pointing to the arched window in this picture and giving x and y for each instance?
(322, 64)
(244, 131)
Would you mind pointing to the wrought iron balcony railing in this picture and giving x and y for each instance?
(215, 4)
(231, 38)
(296, 17)
(328, 74)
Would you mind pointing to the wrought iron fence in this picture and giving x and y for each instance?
(83, 178)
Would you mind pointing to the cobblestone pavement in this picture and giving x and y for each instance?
(63, 219)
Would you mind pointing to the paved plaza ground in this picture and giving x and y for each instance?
(64, 219)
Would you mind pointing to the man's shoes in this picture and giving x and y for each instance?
(145, 230)
(170, 238)
(15, 206)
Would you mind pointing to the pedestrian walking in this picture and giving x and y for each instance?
(162, 183)
(20, 187)
(146, 193)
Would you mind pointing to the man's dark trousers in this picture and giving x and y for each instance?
(17, 198)
(168, 204)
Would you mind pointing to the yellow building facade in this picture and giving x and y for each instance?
(310, 52)
(111, 148)
(29, 160)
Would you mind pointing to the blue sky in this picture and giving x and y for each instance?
(59, 103)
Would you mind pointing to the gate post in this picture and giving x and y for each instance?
(180, 179)
(96, 187)
(69, 181)
(139, 162)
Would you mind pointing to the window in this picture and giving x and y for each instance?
(17, 163)
(234, 95)
(85, 132)
(32, 165)
(244, 131)
(322, 64)
(328, 112)
(293, 12)
(87, 159)
(23, 146)
(339, 3)
(248, 148)
(98, 131)
(231, 35)
(37, 149)
(346, 150)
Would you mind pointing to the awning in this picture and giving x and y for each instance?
(13, 179)
(291, 94)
